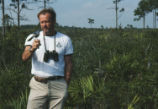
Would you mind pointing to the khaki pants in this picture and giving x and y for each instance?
(50, 95)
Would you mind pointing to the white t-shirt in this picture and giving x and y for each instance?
(50, 68)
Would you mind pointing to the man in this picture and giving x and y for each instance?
(51, 54)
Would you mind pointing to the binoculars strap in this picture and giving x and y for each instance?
(45, 47)
(55, 42)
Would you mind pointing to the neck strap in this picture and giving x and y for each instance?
(45, 47)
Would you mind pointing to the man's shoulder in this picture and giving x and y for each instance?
(33, 35)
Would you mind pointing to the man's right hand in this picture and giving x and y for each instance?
(35, 44)
(30, 49)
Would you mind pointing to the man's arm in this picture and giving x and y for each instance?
(27, 53)
(68, 67)
(30, 49)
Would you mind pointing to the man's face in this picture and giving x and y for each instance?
(46, 23)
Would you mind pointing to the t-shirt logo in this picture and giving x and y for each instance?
(59, 45)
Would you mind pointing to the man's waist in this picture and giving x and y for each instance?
(46, 74)
(46, 79)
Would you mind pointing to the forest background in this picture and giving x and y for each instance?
(114, 68)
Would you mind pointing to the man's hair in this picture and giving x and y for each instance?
(50, 11)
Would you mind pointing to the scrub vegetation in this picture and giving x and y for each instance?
(112, 69)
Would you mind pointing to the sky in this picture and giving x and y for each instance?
(76, 13)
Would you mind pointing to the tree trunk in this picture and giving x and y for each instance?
(18, 15)
(144, 21)
(44, 4)
(116, 9)
(154, 18)
(3, 20)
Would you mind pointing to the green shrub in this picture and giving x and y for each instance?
(113, 69)
(13, 80)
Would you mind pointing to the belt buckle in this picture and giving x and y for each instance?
(45, 80)
(40, 79)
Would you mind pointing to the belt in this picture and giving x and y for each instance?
(45, 80)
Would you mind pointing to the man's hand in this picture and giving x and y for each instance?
(30, 49)
(35, 44)
(68, 67)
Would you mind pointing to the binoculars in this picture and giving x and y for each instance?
(51, 55)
